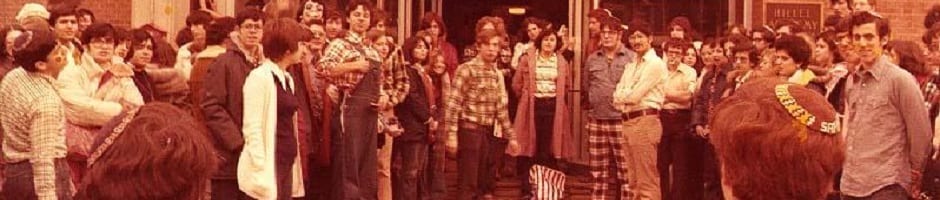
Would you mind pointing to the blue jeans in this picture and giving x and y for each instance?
(408, 161)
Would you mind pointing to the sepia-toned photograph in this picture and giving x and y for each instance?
(469, 99)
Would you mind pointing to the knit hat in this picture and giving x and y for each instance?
(32, 10)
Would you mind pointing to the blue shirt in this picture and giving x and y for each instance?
(601, 76)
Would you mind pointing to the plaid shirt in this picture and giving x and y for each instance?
(394, 80)
(33, 119)
(478, 96)
(343, 51)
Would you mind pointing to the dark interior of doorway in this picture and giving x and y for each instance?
(460, 16)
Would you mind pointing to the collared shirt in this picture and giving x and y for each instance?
(802, 76)
(889, 133)
(641, 86)
(394, 81)
(600, 80)
(346, 50)
(478, 96)
(546, 71)
(33, 119)
(681, 80)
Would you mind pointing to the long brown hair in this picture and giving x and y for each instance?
(159, 154)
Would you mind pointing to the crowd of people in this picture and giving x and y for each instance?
(329, 104)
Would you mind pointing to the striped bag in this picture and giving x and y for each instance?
(547, 183)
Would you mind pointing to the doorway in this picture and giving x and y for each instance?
(461, 16)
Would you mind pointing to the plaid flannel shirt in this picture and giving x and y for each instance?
(394, 80)
(343, 51)
(478, 97)
(33, 119)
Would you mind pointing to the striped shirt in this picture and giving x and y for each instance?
(546, 71)
(33, 119)
(348, 49)
(478, 96)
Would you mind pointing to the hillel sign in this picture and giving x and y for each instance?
(808, 16)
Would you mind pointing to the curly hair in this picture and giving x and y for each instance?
(796, 47)
(545, 34)
(495, 21)
(160, 154)
(796, 162)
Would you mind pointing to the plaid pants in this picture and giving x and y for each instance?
(606, 145)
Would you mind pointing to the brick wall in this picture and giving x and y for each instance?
(9, 8)
(906, 16)
(117, 12)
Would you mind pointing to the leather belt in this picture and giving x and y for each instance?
(473, 126)
(639, 113)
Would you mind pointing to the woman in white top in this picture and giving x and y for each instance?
(269, 166)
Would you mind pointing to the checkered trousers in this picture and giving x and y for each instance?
(607, 159)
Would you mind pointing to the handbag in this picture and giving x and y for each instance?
(547, 183)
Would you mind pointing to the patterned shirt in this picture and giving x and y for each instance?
(394, 80)
(478, 96)
(33, 119)
(348, 49)
(546, 72)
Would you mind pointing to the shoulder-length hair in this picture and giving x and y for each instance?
(408, 50)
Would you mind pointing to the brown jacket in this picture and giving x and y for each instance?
(523, 83)
(199, 71)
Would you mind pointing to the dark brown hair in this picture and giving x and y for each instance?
(881, 24)
(161, 154)
(34, 45)
(759, 143)
(545, 34)
(433, 17)
(910, 56)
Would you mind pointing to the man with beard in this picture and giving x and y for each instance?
(889, 136)
(639, 96)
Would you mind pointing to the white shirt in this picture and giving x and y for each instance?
(684, 79)
(641, 85)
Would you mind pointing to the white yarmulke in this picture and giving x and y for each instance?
(32, 10)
